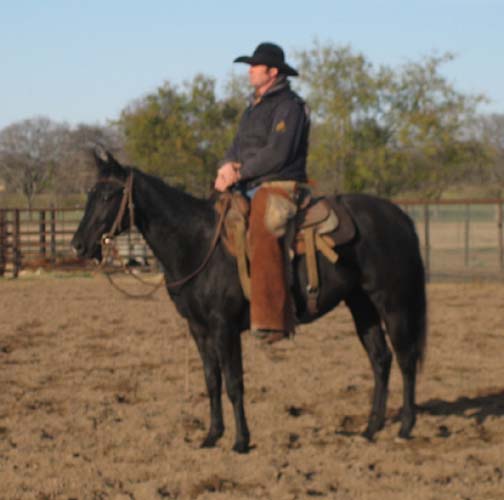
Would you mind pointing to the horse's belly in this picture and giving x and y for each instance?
(337, 281)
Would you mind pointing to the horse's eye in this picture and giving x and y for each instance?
(107, 195)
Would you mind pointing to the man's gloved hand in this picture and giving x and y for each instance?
(227, 175)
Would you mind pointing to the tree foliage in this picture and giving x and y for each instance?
(76, 170)
(385, 130)
(491, 128)
(379, 129)
(39, 155)
(29, 153)
(181, 134)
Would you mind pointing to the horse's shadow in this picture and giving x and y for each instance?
(477, 408)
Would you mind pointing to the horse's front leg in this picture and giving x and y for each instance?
(213, 379)
(228, 343)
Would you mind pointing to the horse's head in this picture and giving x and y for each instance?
(102, 215)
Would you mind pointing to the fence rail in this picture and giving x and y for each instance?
(31, 239)
(459, 239)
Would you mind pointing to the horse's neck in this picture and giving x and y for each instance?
(174, 224)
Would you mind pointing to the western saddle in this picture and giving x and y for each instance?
(320, 225)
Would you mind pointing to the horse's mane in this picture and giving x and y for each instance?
(163, 192)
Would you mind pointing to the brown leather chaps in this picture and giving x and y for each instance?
(271, 305)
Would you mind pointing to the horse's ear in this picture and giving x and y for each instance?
(116, 169)
(99, 154)
(106, 163)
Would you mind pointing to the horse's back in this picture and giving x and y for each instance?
(375, 214)
(386, 245)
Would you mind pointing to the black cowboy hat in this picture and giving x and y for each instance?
(271, 55)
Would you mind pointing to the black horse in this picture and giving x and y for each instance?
(379, 275)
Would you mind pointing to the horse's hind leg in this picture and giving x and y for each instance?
(407, 354)
(367, 322)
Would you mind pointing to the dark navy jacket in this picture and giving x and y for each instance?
(272, 138)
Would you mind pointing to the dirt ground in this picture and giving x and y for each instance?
(103, 397)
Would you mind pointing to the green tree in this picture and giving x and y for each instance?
(383, 130)
(180, 134)
(431, 121)
(491, 128)
(341, 90)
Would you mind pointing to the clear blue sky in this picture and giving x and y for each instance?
(85, 60)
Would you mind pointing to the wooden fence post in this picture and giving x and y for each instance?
(3, 241)
(500, 235)
(427, 241)
(466, 234)
(53, 235)
(16, 243)
(42, 233)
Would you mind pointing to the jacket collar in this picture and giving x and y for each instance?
(281, 84)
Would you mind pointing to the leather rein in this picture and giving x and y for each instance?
(107, 238)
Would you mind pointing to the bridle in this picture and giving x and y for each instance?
(107, 239)
(126, 202)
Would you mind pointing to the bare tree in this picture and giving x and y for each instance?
(29, 153)
(75, 169)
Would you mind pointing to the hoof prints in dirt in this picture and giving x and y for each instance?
(216, 484)
(82, 396)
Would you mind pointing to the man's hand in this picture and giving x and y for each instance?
(227, 175)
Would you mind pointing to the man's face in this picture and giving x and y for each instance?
(261, 77)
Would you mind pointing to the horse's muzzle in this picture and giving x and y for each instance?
(77, 247)
(82, 250)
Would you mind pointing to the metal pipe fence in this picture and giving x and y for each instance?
(33, 239)
(459, 239)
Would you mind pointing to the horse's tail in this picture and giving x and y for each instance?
(420, 324)
(418, 309)
(412, 296)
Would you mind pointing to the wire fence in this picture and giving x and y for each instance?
(460, 239)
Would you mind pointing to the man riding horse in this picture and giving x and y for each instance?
(267, 163)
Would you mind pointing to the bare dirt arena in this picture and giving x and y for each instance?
(103, 397)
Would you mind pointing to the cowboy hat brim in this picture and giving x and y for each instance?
(258, 59)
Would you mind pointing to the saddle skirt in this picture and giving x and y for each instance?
(321, 224)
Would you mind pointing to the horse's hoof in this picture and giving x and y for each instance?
(208, 443)
(373, 427)
(211, 440)
(368, 435)
(241, 447)
(399, 440)
(406, 428)
(404, 435)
